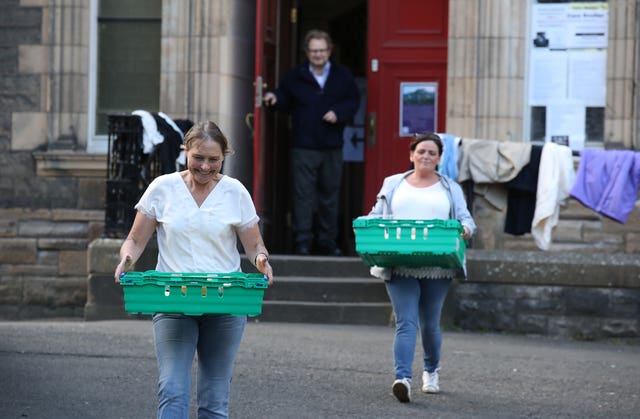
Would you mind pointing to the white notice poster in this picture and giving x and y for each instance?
(566, 120)
(587, 25)
(548, 24)
(567, 69)
(548, 77)
(570, 25)
(587, 77)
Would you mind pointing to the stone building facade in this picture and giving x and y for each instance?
(52, 173)
(485, 86)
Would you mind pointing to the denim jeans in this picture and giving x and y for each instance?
(216, 339)
(417, 303)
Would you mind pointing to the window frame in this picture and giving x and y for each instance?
(97, 143)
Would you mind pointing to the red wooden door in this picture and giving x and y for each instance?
(274, 23)
(407, 46)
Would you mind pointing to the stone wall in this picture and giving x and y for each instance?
(580, 295)
(570, 311)
(18, 92)
(43, 261)
(46, 225)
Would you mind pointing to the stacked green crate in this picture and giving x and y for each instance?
(411, 243)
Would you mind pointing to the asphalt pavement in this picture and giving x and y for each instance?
(60, 369)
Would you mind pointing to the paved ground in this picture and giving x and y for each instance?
(77, 369)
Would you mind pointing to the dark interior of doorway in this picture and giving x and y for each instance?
(346, 21)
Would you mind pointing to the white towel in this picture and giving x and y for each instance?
(150, 134)
(555, 179)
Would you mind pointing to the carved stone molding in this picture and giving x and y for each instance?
(70, 163)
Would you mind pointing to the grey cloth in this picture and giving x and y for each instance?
(489, 163)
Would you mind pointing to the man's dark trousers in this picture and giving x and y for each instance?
(317, 178)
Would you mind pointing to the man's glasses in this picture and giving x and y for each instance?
(317, 51)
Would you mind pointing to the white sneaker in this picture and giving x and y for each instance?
(430, 382)
(402, 389)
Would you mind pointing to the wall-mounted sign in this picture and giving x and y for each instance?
(570, 25)
(418, 107)
(567, 67)
(565, 123)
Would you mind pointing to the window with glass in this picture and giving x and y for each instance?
(567, 71)
(128, 62)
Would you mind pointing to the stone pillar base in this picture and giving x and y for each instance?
(105, 299)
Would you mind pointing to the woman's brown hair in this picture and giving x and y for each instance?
(207, 130)
(419, 137)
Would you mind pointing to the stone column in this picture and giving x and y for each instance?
(623, 74)
(60, 61)
(207, 69)
(486, 68)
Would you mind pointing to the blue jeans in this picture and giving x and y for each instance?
(417, 303)
(177, 337)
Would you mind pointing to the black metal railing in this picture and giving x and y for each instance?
(129, 172)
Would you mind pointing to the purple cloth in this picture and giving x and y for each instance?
(607, 182)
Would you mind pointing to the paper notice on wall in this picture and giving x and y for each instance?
(567, 67)
(548, 24)
(570, 25)
(566, 121)
(548, 77)
(587, 71)
(587, 25)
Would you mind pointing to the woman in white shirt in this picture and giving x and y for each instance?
(197, 214)
(418, 294)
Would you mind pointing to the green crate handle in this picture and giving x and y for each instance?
(391, 222)
(167, 279)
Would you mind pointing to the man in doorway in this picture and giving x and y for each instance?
(321, 97)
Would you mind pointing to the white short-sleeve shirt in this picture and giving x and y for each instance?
(197, 239)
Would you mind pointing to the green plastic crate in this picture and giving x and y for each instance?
(193, 294)
(411, 243)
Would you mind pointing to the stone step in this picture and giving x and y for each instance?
(320, 289)
(328, 313)
(317, 266)
(327, 289)
(589, 295)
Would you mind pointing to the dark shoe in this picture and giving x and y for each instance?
(302, 249)
(329, 250)
(334, 252)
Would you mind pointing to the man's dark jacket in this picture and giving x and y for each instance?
(301, 95)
